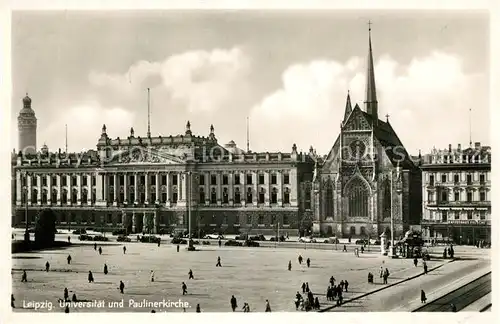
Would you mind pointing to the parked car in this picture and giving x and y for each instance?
(80, 231)
(123, 238)
(275, 238)
(259, 237)
(251, 243)
(205, 242)
(242, 237)
(213, 237)
(85, 237)
(149, 239)
(307, 240)
(178, 240)
(361, 242)
(233, 243)
(100, 238)
(120, 231)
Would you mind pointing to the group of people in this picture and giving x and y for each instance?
(448, 252)
(308, 303)
(335, 291)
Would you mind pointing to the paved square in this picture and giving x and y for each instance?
(251, 274)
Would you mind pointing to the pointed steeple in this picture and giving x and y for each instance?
(371, 104)
(348, 107)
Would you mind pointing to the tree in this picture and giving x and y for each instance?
(45, 227)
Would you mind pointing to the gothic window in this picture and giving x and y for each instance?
(213, 196)
(237, 196)
(274, 196)
(307, 200)
(286, 196)
(358, 198)
(249, 196)
(261, 196)
(225, 196)
(329, 201)
(202, 195)
(387, 198)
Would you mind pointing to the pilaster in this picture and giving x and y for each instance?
(146, 188)
(116, 189)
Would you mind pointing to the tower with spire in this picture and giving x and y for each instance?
(371, 103)
(26, 124)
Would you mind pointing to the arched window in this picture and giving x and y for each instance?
(225, 196)
(274, 196)
(357, 194)
(213, 196)
(249, 196)
(286, 196)
(329, 201)
(262, 195)
(387, 198)
(202, 195)
(237, 196)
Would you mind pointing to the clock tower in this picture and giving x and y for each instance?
(26, 124)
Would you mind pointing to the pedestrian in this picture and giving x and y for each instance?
(268, 306)
(300, 259)
(12, 300)
(69, 239)
(66, 294)
(66, 310)
(24, 278)
(328, 293)
(177, 247)
(415, 261)
(346, 284)
(307, 287)
(381, 272)
(246, 308)
(122, 287)
(100, 250)
(91, 277)
(444, 253)
(124, 249)
(234, 304)
(69, 259)
(423, 298)
(308, 262)
(191, 274)
(425, 267)
(220, 242)
(184, 289)
(290, 265)
(452, 251)
(152, 276)
(198, 310)
(47, 266)
(159, 241)
(95, 246)
(370, 277)
(73, 298)
(344, 249)
(316, 303)
(362, 250)
(105, 269)
(332, 281)
(303, 287)
(218, 264)
(298, 298)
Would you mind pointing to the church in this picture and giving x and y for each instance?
(367, 176)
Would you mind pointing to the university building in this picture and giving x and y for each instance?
(457, 194)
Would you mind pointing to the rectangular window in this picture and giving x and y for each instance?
(142, 180)
(482, 214)
(44, 181)
(457, 196)
(213, 180)
(153, 180)
(249, 219)
(482, 196)
(84, 180)
(163, 179)
(261, 179)
(111, 180)
(249, 179)
(469, 214)
(443, 178)
(153, 197)
(274, 179)
(431, 180)
(285, 220)
(121, 180)
(261, 197)
(456, 178)
(237, 179)
(469, 196)
(93, 180)
(34, 180)
(444, 215)
(64, 180)
(481, 178)
(175, 179)
(286, 179)
(202, 180)
(163, 197)
(261, 219)
(469, 179)
(444, 196)
(132, 181)
(225, 180)
(174, 197)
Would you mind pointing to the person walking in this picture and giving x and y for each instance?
(344, 249)
(415, 261)
(191, 274)
(381, 272)
(105, 269)
(177, 247)
(300, 259)
(290, 265)
(100, 250)
(423, 298)
(220, 242)
(218, 264)
(316, 303)
(91, 277)
(268, 306)
(308, 261)
(234, 303)
(122, 287)
(303, 287)
(47, 266)
(24, 277)
(95, 246)
(66, 294)
(152, 276)
(73, 298)
(425, 267)
(12, 300)
(69, 259)
(307, 287)
(184, 289)
(124, 249)
(69, 239)
(198, 310)
(332, 281)
(346, 284)
(159, 241)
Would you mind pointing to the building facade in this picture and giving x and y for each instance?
(147, 183)
(457, 194)
(367, 177)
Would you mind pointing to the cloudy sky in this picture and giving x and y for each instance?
(289, 72)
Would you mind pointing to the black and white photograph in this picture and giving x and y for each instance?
(250, 161)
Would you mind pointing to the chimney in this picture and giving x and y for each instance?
(459, 147)
(477, 145)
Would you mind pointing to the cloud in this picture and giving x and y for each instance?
(197, 80)
(84, 126)
(423, 98)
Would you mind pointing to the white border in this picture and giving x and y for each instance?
(5, 117)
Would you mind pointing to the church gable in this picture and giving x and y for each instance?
(357, 121)
(331, 162)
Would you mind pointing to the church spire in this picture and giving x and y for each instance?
(348, 107)
(371, 104)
